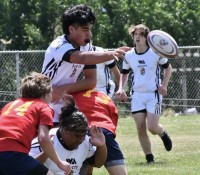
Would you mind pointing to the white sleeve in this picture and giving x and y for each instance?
(91, 149)
(35, 148)
(109, 62)
(59, 52)
(162, 61)
(125, 64)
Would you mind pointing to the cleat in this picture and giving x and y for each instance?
(150, 159)
(166, 141)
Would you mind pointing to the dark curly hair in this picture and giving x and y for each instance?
(71, 119)
(79, 14)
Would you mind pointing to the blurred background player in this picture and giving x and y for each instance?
(147, 88)
(71, 142)
(108, 74)
(101, 111)
(21, 121)
(64, 61)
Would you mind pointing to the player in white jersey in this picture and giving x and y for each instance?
(64, 61)
(147, 88)
(107, 73)
(71, 142)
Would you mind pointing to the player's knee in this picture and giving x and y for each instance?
(152, 130)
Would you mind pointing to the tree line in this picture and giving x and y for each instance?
(33, 24)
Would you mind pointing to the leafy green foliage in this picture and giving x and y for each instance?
(33, 24)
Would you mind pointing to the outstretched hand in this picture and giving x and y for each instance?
(97, 138)
(125, 48)
(120, 52)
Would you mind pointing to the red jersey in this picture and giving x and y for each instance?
(19, 121)
(99, 109)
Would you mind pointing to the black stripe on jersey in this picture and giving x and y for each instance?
(125, 61)
(166, 65)
(112, 65)
(90, 66)
(125, 71)
(158, 107)
(36, 145)
(67, 55)
(107, 76)
(157, 76)
(61, 45)
(52, 68)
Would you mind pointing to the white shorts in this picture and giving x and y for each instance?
(147, 101)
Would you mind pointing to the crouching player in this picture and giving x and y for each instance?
(71, 142)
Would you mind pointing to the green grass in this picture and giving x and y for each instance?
(184, 159)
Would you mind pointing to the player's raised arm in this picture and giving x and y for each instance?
(92, 57)
(98, 140)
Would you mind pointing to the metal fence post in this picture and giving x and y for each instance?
(17, 75)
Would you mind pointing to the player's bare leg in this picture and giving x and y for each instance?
(140, 120)
(157, 129)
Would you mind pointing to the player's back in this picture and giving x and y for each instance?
(19, 123)
(99, 109)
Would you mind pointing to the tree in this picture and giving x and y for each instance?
(33, 24)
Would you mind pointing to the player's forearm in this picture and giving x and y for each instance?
(100, 156)
(41, 157)
(46, 144)
(167, 75)
(85, 84)
(49, 151)
(123, 81)
(116, 73)
(93, 57)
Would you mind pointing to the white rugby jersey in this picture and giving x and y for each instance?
(73, 157)
(146, 69)
(104, 81)
(61, 72)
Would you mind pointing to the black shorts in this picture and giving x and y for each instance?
(114, 153)
(18, 163)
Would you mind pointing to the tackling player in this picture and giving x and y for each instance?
(71, 142)
(101, 111)
(21, 121)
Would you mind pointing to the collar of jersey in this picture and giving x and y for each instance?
(61, 140)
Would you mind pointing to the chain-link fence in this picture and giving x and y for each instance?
(183, 88)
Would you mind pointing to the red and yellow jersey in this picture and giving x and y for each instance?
(99, 109)
(19, 121)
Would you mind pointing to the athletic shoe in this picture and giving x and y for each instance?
(150, 159)
(166, 141)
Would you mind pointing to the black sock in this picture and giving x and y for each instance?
(150, 157)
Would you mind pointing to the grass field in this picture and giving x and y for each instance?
(184, 159)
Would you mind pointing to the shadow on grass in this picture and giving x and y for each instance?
(152, 164)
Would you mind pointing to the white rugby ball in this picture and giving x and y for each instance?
(162, 43)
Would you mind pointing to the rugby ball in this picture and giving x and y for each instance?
(162, 43)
